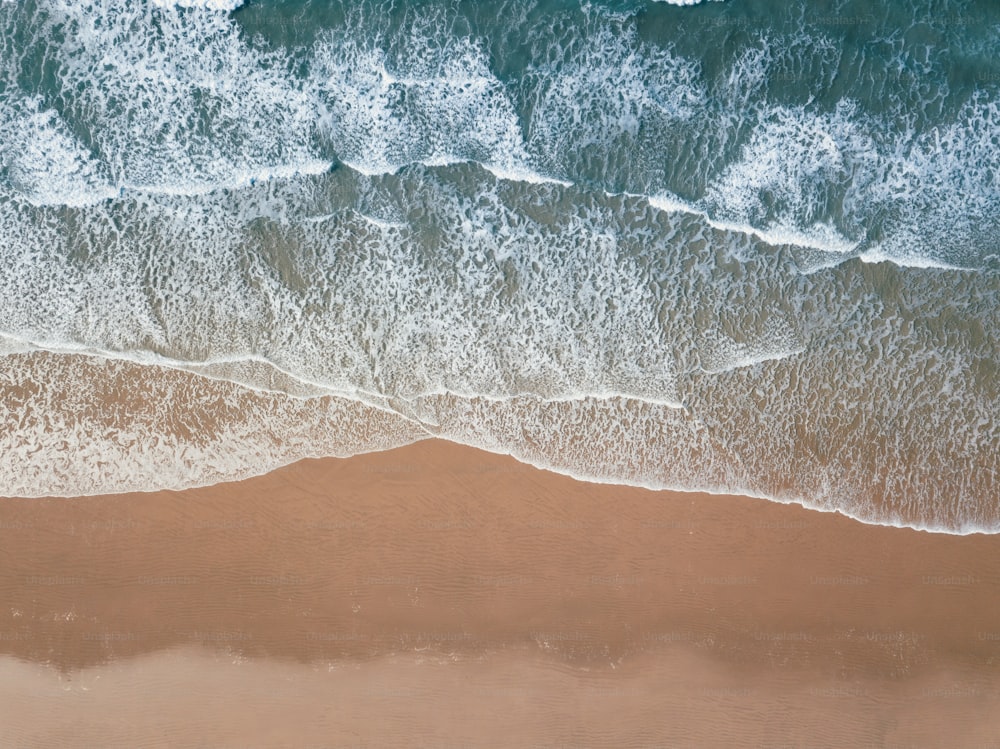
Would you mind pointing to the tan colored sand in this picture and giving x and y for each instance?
(564, 613)
(670, 698)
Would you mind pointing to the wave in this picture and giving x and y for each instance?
(142, 428)
(157, 97)
(491, 292)
(604, 109)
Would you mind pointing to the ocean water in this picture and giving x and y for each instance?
(743, 246)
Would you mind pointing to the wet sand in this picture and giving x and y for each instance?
(437, 595)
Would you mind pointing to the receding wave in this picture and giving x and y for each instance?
(87, 425)
(79, 425)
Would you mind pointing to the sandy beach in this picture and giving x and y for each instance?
(437, 595)
(337, 338)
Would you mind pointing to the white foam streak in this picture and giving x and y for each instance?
(752, 359)
(236, 181)
(517, 174)
(206, 4)
(227, 369)
(820, 238)
(877, 254)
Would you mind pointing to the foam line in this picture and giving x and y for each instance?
(205, 4)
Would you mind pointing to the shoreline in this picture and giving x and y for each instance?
(190, 431)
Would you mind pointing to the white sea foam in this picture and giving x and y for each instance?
(940, 188)
(784, 174)
(41, 158)
(742, 355)
(184, 106)
(209, 4)
(216, 113)
(878, 254)
(520, 174)
(428, 105)
(945, 184)
(602, 96)
(236, 180)
(12, 345)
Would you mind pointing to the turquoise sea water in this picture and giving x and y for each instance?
(734, 245)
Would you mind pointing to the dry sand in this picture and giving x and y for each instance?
(440, 596)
